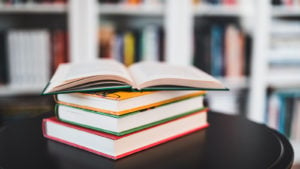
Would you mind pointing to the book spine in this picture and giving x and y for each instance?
(3, 59)
(45, 134)
(161, 141)
(44, 129)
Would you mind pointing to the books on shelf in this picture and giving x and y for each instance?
(220, 49)
(35, 52)
(29, 52)
(106, 74)
(132, 45)
(283, 112)
(11, 2)
(284, 56)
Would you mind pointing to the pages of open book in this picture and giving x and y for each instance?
(147, 74)
(71, 72)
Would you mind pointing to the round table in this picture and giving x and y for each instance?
(229, 142)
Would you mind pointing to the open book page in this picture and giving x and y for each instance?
(147, 74)
(79, 72)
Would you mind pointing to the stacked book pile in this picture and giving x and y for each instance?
(118, 123)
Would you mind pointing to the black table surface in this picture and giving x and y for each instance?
(229, 142)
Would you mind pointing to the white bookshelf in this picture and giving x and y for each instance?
(217, 10)
(283, 11)
(33, 8)
(158, 10)
(13, 91)
(235, 83)
(296, 147)
(284, 81)
(138, 10)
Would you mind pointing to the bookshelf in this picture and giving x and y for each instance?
(262, 76)
(84, 20)
(140, 10)
(84, 32)
(33, 8)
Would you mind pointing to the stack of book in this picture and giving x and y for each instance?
(118, 123)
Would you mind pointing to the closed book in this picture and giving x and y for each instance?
(131, 122)
(119, 103)
(116, 147)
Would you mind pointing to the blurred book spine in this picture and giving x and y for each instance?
(221, 49)
(132, 44)
(29, 56)
(283, 112)
(284, 54)
(15, 2)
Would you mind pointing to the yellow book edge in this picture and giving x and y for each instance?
(133, 109)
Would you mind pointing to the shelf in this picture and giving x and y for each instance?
(217, 10)
(158, 10)
(285, 11)
(33, 8)
(296, 147)
(139, 10)
(11, 91)
(284, 81)
(235, 83)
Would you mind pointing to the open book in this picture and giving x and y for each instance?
(105, 74)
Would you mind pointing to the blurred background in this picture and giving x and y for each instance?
(253, 47)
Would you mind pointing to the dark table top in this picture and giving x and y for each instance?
(230, 142)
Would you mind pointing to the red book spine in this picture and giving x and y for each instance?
(59, 48)
(110, 136)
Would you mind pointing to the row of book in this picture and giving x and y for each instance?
(287, 3)
(118, 124)
(13, 2)
(284, 112)
(284, 56)
(217, 2)
(151, 2)
(219, 49)
(29, 57)
(131, 46)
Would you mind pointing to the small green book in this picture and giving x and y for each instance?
(107, 74)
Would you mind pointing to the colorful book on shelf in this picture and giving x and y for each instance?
(116, 147)
(119, 103)
(106, 74)
(129, 50)
(59, 48)
(131, 122)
